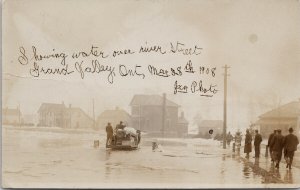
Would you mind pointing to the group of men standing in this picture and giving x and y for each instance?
(278, 143)
(248, 143)
(110, 131)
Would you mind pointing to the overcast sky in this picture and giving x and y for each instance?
(259, 40)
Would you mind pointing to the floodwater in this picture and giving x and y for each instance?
(47, 159)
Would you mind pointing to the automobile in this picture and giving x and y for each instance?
(126, 138)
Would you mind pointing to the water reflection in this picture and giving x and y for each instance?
(256, 163)
(288, 177)
(246, 170)
(223, 168)
(107, 154)
(107, 164)
(269, 177)
(238, 152)
(233, 155)
(277, 174)
(224, 157)
(256, 169)
(273, 175)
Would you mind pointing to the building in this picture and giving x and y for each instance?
(77, 118)
(52, 115)
(58, 115)
(283, 118)
(147, 112)
(114, 117)
(11, 116)
(206, 125)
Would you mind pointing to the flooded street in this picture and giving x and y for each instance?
(69, 160)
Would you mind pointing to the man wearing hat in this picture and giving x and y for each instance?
(277, 144)
(290, 146)
(257, 141)
(248, 146)
(269, 144)
(109, 133)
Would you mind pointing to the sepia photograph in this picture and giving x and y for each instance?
(150, 94)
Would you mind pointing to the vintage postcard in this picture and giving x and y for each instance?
(150, 93)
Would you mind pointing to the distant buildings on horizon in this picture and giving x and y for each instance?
(283, 117)
(58, 115)
(147, 116)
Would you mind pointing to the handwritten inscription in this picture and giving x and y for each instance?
(97, 60)
(195, 87)
(94, 51)
(37, 70)
(124, 71)
(182, 49)
(40, 57)
(95, 67)
(23, 60)
(154, 48)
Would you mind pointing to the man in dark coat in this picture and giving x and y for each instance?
(248, 145)
(290, 146)
(120, 126)
(257, 141)
(269, 144)
(109, 133)
(277, 144)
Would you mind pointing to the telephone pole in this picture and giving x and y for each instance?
(225, 107)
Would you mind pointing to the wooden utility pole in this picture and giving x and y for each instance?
(163, 114)
(225, 107)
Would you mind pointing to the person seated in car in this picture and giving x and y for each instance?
(120, 126)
